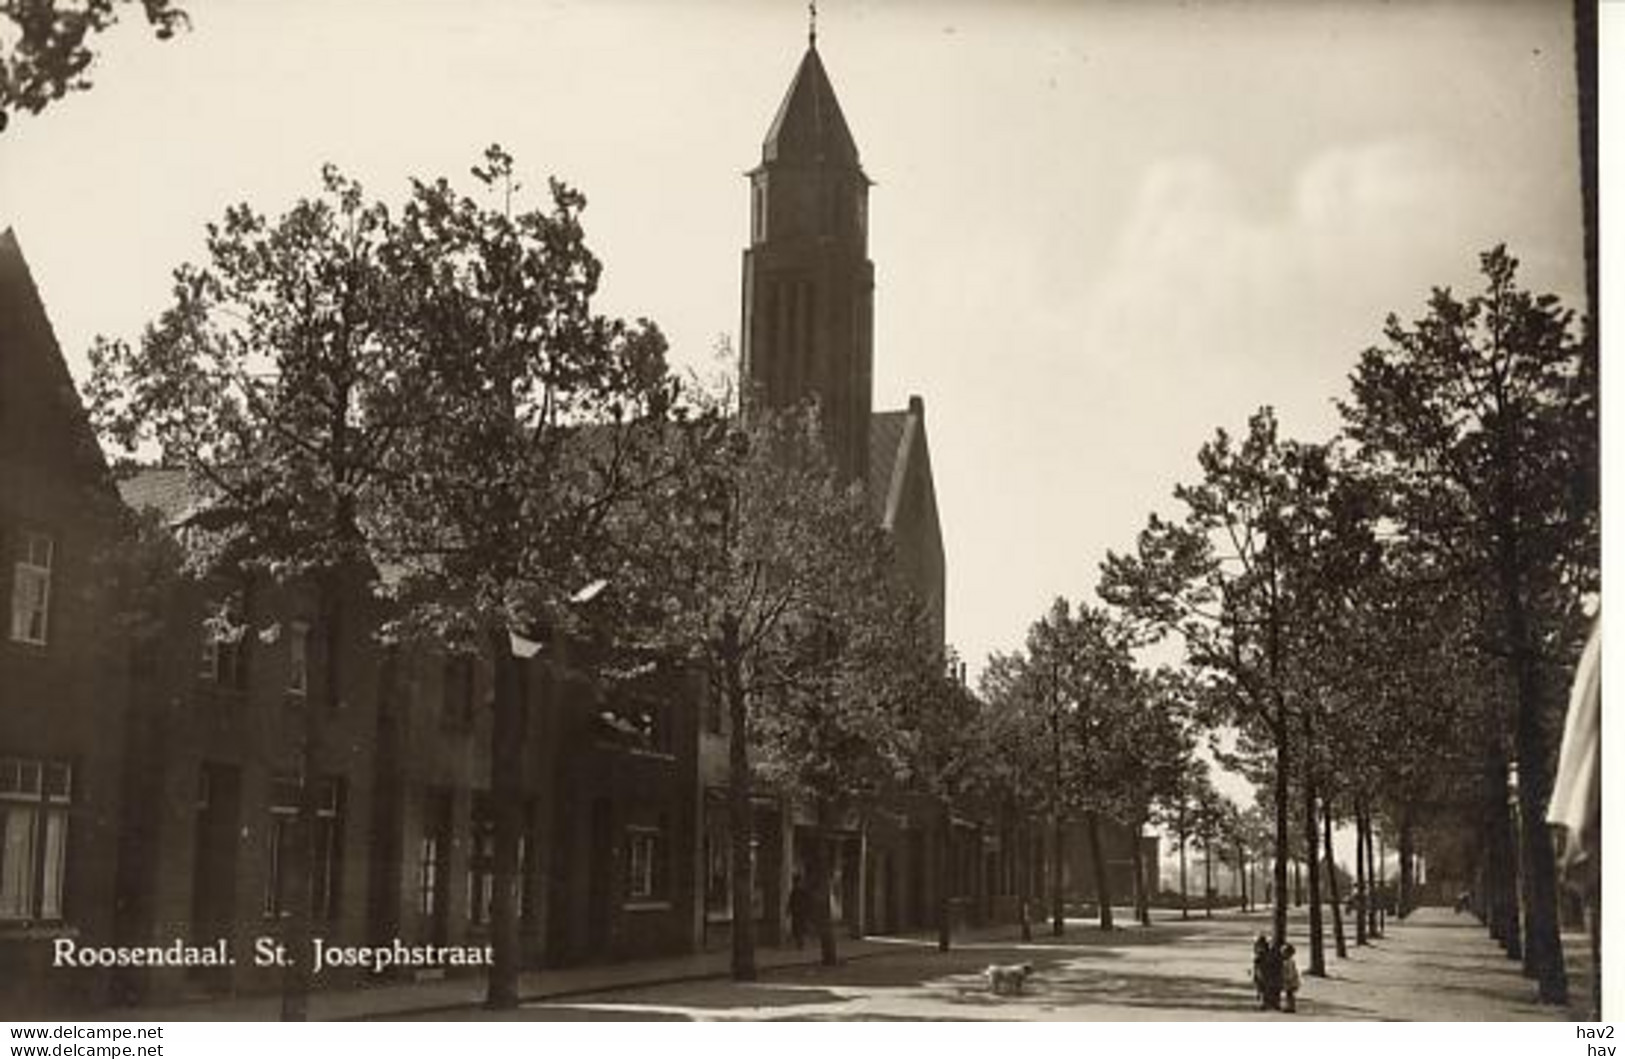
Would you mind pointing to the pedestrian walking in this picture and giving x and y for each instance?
(800, 909)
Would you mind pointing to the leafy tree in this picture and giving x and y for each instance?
(270, 382)
(1219, 580)
(1018, 764)
(742, 564)
(49, 54)
(1483, 415)
(831, 683)
(542, 424)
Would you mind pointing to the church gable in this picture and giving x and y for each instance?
(903, 498)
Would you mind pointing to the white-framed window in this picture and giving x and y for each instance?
(429, 875)
(31, 587)
(224, 634)
(35, 799)
(284, 813)
(645, 864)
(298, 658)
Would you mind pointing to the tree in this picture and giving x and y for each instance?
(1085, 651)
(741, 565)
(50, 55)
(543, 423)
(1220, 582)
(1483, 412)
(832, 682)
(270, 382)
(1153, 746)
(1017, 767)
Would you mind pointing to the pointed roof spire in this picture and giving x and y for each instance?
(809, 126)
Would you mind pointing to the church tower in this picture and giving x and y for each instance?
(808, 326)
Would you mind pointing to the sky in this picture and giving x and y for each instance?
(1100, 230)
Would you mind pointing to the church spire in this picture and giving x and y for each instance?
(809, 285)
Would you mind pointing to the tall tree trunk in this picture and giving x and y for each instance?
(507, 784)
(1311, 845)
(1297, 882)
(1282, 790)
(1024, 875)
(1407, 864)
(1331, 879)
(1538, 864)
(818, 867)
(1504, 863)
(740, 822)
(945, 861)
(1184, 886)
(1207, 876)
(1103, 894)
(1362, 876)
(299, 898)
(1057, 897)
(1142, 898)
(1373, 869)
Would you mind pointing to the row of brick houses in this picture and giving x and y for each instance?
(151, 738)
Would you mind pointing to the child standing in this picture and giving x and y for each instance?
(1289, 978)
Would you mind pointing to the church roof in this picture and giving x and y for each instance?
(886, 453)
(809, 126)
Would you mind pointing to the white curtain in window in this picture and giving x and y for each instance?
(16, 862)
(56, 862)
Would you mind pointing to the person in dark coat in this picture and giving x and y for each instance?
(800, 911)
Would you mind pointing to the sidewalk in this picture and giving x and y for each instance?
(452, 994)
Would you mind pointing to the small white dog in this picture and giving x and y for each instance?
(1008, 979)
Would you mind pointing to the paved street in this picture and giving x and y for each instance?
(1437, 966)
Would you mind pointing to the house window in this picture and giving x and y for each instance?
(457, 689)
(482, 864)
(325, 846)
(35, 797)
(429, 875)
(31, 588)
(645, 864)
(224, 661)
(298, 658)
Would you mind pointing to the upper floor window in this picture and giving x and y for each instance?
(35, 797)
(225, 647)
(31, 587)
(298, 658)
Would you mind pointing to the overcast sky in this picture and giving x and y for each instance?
(1099, 231)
